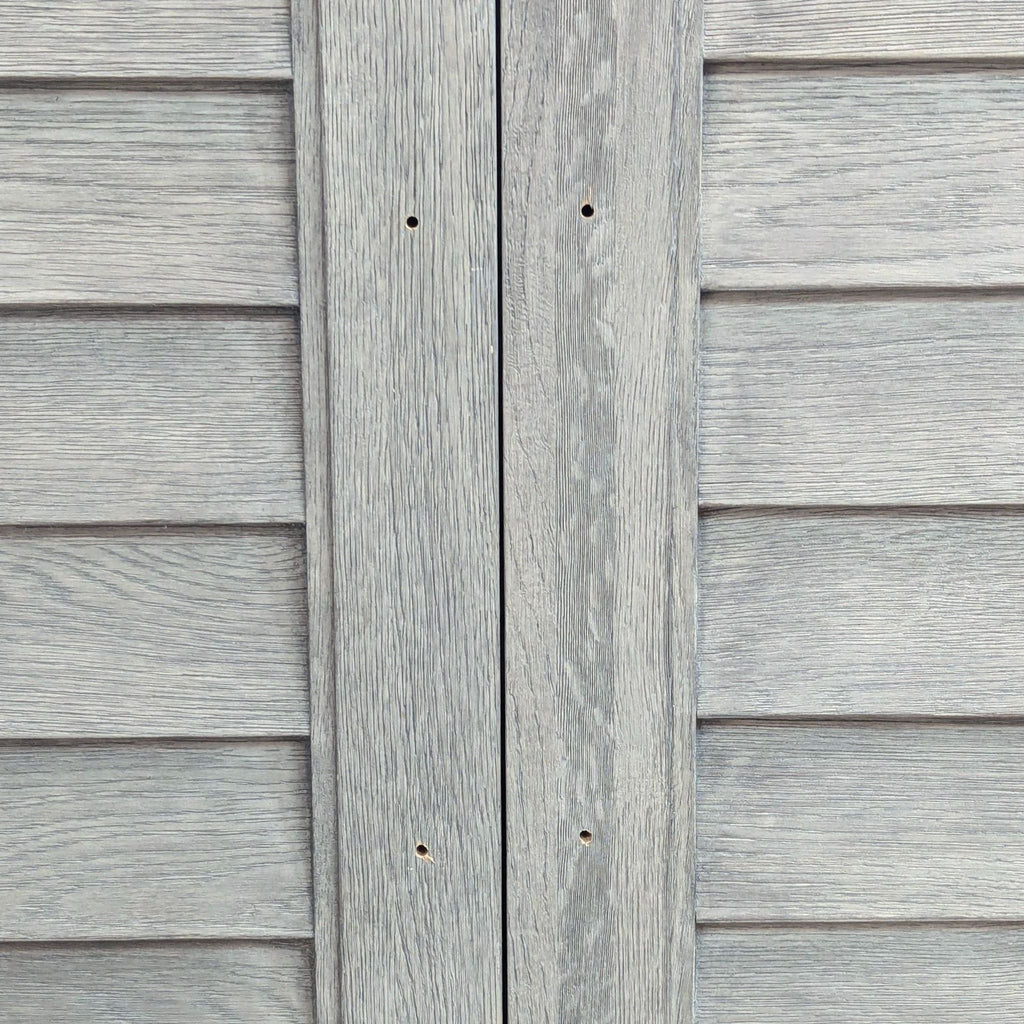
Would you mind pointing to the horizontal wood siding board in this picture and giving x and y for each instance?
(860, 401)
(156, 983)
(896, 614)
(125, 417)
(155, 195)
(884, 975)
(171, 634)
(860, 822)
(766, 30)
(154, 840)
(234, 39)
(863, 177)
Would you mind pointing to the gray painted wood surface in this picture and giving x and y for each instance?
(769, 30)
(877, 975)
(154, 983)
(127, 417)
(69, 39)
(860, 822)
(808, 400)
(601, 108)
(409, 130)
(147, 196)
(861, 614)
(323, 681)
(863, 177)
(154, 840)
(153, 634)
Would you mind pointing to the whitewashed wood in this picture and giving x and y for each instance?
(861, 614)
(409, 130)
(852, 401)
(222, 983)
(146, 196)
(152, 635)
(235, 39)
(119, 417)
(836, 975)
(323, 680)
(151, 841)
(855, 822)
(766, 30)
(601, 107)
(858, 177)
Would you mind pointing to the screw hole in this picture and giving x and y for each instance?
(586, 837)
(412, 223)
(423, 853)
(586, 210)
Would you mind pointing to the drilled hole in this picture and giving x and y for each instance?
(586, 837)
(422, 852)
(412, 223)
(586, 210)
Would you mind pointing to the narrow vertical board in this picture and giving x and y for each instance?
(319, 531)
(409, 132)
(601, 134)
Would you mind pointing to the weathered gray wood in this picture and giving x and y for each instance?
(601, 109)
(152, 635)
(120, 417)
(151, 841)
(222, 983)
(146, 196)
(409, 131)
(817, 401)
(235, 39)
(863, 177)
(835, 975)
(860, 822)
(323, 680)
(766, 30)
(854, 614)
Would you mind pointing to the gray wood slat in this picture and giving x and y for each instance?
(222, 983)
(860, 822)
(601, 107)
(127, 417)
(237, 39)
(837, 975)
(861, 614)
(766, 30)
(409, 130)
(146, 196)
(860, 401)
(863, 177)
(151, 840)
(152, 635)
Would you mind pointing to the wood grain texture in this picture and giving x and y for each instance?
(855, 822)
(601, 109)
(852, 614)
(232, 39)
(151, 841)
(767, 30)
(863, 177)
(152, 635)
(857, 401)
(323, 681)
(409, 130)
(222, 983)
(122, 417)
(836, 975)
(146, 196)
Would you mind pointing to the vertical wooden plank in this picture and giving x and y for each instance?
(409, 118)
(305, 35)
(601, 133)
